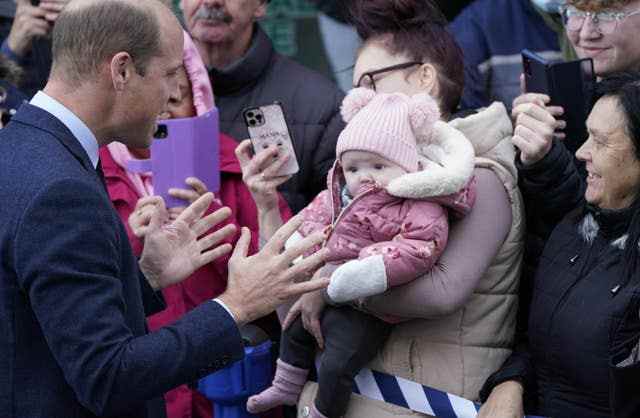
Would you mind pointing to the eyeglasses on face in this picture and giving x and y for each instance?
(605, 21)
(367, 79)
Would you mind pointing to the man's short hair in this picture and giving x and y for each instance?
(84, 37)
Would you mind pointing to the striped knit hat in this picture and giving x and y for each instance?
(390, 125)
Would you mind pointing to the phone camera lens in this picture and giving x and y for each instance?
(250, 114)
(161, 132)
(252, 122)
(259, 117)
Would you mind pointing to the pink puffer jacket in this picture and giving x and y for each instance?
(409, 234)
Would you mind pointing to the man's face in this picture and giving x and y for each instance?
(152, 93)
(616, 51)
(221, 21)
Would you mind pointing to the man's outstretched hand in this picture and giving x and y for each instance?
(257, 285)
(174, 250)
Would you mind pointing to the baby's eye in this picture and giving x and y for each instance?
(378, 166)
(352, 169)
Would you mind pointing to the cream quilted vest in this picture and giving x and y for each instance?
(456, 353)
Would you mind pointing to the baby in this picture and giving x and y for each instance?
(376, 240)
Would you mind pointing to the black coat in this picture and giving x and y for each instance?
(577, 303)
(311, 105)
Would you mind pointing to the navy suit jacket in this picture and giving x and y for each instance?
(73, 337)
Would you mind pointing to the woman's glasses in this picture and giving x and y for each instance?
(367, 79)
(606, 21)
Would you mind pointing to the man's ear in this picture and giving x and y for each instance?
(261, 11)
(122, 68)
(428, 79)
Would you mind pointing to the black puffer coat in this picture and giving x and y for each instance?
(311, 105)
(577, 302)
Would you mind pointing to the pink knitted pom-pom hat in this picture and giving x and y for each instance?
(390, 125)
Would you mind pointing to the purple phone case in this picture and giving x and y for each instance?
(190, 149)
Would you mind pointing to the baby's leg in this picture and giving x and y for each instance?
(297, 351)
(352, 339)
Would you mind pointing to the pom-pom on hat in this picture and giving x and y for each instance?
(390, 125)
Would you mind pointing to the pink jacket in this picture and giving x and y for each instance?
(409, 234)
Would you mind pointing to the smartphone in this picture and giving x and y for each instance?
(267, 126)
(569, 84)
(181, 148)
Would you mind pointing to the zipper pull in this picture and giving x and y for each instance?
(573, 259)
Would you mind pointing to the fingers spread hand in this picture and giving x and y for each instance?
(276, 243)
(203, 225)
(195, 210)
(211, 255)
(304, 246)
(306, 287)
(214, 238)
(242, 246)
(305, 268)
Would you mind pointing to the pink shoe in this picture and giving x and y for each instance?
(285, 389)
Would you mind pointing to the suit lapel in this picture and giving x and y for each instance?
(45, 121)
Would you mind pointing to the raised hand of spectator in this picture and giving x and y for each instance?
(257, 285)
(145, 209)
(197, 189)
(174, 250)
(505, 401)
(258, 173)
(536, 126)
(29, 23)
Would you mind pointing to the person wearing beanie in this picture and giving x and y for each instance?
(375, 240)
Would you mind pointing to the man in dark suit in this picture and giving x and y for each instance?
(73, 339)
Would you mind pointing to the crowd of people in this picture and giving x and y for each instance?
(440, 228)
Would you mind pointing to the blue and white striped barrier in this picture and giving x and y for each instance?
(411, 395)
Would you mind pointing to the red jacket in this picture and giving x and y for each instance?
(207, 282)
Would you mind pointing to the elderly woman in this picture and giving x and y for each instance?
(576, 359)
(464, 310)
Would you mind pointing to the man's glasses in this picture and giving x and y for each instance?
(367, 79)
(605, 21)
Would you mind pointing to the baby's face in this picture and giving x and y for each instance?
(182, 106)
(365, 168)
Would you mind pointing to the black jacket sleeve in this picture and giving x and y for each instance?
(518, 367)
(552, 187)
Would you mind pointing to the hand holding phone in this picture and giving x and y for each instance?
(267, 127)
(569, 85)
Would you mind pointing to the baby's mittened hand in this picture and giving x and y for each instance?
(358, 279)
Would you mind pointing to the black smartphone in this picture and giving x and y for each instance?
(569, 84)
